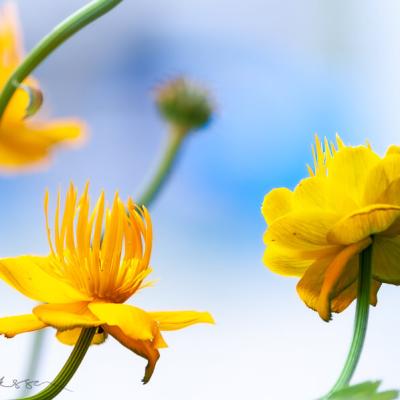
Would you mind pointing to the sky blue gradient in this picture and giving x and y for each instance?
(279, 72)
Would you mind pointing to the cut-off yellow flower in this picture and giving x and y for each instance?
(26, 143)
(350, 201)
(87, 277)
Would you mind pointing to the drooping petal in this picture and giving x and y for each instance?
(386, 259)
(66, 316)
(346, 297)
(309, 287)
(277, 203)
(71, 336)
(173, 320)
(28, 274)
(303, 230)
(133, 321)
(364, 222)
(334, 273)
(11, 326)
(143, 348)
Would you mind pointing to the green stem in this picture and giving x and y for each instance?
(165, 167)
(70, 367)
(360, 321)
(49, 43)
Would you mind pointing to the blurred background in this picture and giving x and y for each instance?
(279, 71)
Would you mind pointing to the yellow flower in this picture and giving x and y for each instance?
(25, 143)
(350, 201)
(87, 277)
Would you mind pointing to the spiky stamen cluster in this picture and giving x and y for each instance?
(108, 266)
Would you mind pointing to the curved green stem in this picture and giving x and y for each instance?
(165, 167)
(360, 321)
(69, 369)
(49, 43)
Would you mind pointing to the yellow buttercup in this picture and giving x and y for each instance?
(87, 277)
(316, 232)
(25, 143)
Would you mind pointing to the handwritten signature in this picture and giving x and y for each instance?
(23, 384)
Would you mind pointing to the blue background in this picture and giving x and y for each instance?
(279, 72)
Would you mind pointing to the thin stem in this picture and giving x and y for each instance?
(360, 321)
(165, 167)
(70, 367)
(38, 340)
(49, 43)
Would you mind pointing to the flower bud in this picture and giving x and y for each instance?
(184, 104)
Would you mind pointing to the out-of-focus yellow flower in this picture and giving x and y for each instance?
(316, 232)
(87, 277)
(25, 143)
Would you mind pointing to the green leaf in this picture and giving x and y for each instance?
(364, 391)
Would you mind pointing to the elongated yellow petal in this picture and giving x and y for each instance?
(30, 276)
(365, 222)
(11, 326)
(277, 203)
(386, 259)
(71, 336)
(306, 230)
(143, 348)
(66, 316)
(173, 320)
(133, 321)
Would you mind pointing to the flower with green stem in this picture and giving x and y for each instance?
(26, 143)
(339, 232)
(86, 279)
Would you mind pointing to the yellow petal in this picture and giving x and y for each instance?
(333, 274)
(348, 172)
(133, 321)
(346, 297)
(380, 177)
(66, 316)
(29, 276)
(10, 37)
(143, 348)
(173, 320)
(316, 193)
(309, 287)
(288, 262)
(386, 259)
(393, 149)
(11, 326)
(26, 144)
(277, 203)
(310, 193)
(71, 336)
(303, 230)
(365, 222)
